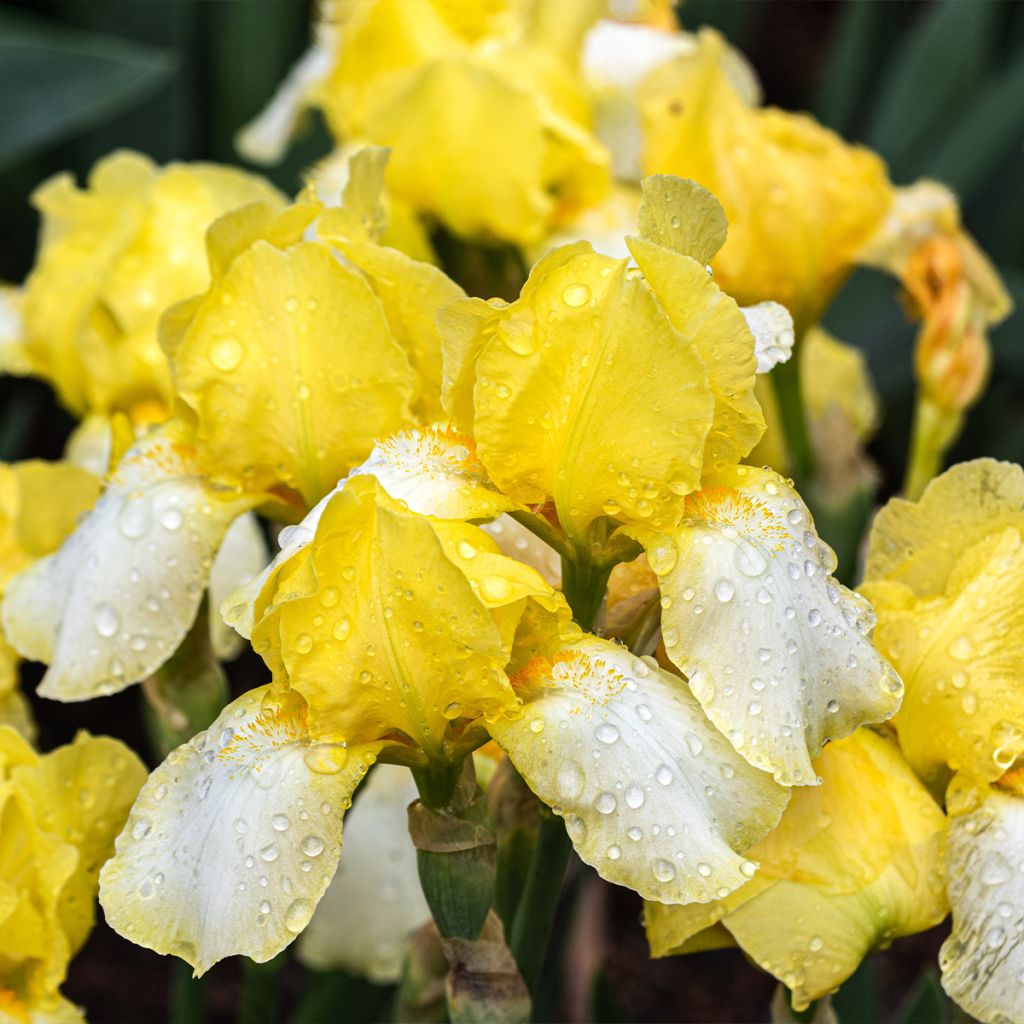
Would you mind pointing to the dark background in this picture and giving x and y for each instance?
(936, 87)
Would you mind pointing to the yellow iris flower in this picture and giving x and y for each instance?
(112, 257)
(398, 630)
(32, 525)
(59, 812)
(285, 370)
(854, 863)
(944, 576)
(801, 202)
(481, 103)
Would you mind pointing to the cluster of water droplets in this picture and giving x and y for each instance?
(774, 648)
(640, 776)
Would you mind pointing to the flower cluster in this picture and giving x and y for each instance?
(545, 541)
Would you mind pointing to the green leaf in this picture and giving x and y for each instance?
(926, 1003)
(857, 999)
(930, 76)
(56, 82)
(988, 129)
(861, 37)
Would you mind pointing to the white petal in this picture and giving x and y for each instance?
(91, 445)
(772, 327)
(777, 652)
(265, 139)
(983, 959)
(652, 795)
(114, 602)
(516, 541)
(14, 358)
(238, 609)
(436, 472)
(242, 555)
(234, 838)
(375, 901)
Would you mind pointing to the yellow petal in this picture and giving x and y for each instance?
(776, 651)
(112, 605)
(542, 386)
(375, 902)
(962, 708)
(87, 788)
(291, 369)
(652, 795)
(719, 333)
(378, 628)
(918, 543)
(234, 838)
(982, 961)
(679, 215)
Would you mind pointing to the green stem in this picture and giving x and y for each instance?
(540, 527)
(934, 431)
(583, 584)
(261, 984)
(785, 379)
(535, 918)
(188, 997)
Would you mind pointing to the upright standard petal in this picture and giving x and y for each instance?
(375, 902)
(235, 837)
(652, 795)
(777, 652)
(541, 386)
(382, 624)
(291, 369)
(112, 605)
(982, 961)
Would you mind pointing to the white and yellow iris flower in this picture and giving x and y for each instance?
(398, 630)
(261, 422)
(945, 574)
(855, 863)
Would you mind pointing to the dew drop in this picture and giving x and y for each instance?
(724, 590)
(312, 846)
(172, 519)
(634, 797)
(280, 822)
(664, 871)
(106, 620)
(270, 853)
(227, 353)
(664, 775)
(576, 295)
(606, 732)
(605, 803)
